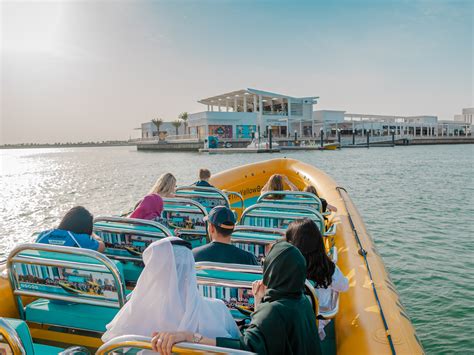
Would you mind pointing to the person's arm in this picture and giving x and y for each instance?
(290, 184)
(99, 240)
(339, 282)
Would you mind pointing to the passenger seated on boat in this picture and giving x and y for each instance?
(277, 183)
(166, 298)
(204, 176)
(221, 225)
(165, 186)
(75, 230)
(149, 208)
(322, 272)
(284, 321)
(325, 205)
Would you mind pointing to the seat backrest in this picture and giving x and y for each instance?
(256, 240)
(64, 273)
(209, 197)
(279, 215)
(126, 238)
(184, 218)
(232, 283)
(293, 198)
(134, 343)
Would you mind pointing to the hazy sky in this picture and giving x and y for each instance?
(94, 70)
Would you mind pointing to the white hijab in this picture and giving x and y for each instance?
(166, 298)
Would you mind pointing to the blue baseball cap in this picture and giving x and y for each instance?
(221, 216)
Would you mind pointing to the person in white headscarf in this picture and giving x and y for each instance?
(166, 298)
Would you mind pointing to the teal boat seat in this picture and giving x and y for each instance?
(185, 219)
(209, 197)
(294, 198)
(70, 315)
(232, 283)
(279, 216)
(23, 332)
(126, 239)
(256, 240)
(76, 288)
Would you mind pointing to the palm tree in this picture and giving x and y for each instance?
(176, 125)
(157, 122)
(184, 118)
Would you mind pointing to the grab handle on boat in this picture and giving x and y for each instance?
(331, 231)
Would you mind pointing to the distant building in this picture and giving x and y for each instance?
(149, 129)
(466, 116)
(380, 125)
(239, 114)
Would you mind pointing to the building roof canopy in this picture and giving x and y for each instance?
(221, 99)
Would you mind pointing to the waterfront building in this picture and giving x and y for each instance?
(239, 114)
(466, 116)
(330, 122)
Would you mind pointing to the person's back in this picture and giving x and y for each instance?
(204, 176)
(224, 253)
(75, 230)
(220, 250)
(293, 317)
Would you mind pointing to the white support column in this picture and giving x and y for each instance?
(245, 103)
(235, 103)
(260, 113)
(254, 103)
(226, 105)
(212, 107)
(208, 107)
(289, 117)
(219, 106)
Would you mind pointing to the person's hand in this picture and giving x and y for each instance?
(163, 342)
(332, 208)
(258, 290)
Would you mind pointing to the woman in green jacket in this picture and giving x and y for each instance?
(283, 322)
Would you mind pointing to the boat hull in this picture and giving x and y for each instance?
(359, 326)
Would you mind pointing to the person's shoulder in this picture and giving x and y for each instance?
(202, 249)
(249, 257)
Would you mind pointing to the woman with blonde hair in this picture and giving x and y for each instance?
(277, 183)
(165, 186)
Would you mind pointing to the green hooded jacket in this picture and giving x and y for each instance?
(284, 322)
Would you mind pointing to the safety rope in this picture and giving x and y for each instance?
(363, 253)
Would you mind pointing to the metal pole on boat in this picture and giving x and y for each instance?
(339, 137)
(393, 138)
(368, 138)
(321, 135)
(353, 137)
(270, 138)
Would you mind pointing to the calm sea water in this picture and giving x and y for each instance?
(417, 203)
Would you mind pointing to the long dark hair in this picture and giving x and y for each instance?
(77, 220)
(305, 235)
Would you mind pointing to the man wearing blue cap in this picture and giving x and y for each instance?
(220, 250)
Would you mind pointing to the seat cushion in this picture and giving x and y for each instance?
(41, 349)
(23, 332)
(71, 315)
